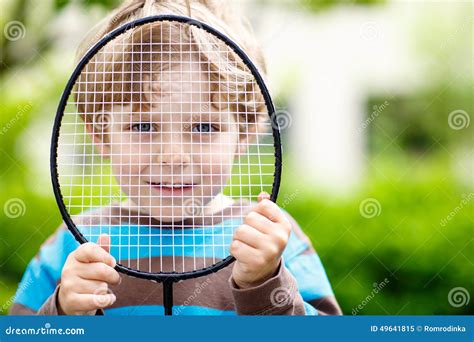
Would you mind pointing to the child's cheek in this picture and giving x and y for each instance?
(128, 159)
(218, 166)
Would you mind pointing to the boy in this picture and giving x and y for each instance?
(276, 271)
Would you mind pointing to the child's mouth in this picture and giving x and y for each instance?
(172, 189)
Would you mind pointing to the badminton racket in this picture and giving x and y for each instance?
(164, 136)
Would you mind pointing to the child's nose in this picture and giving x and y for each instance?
(173, 154)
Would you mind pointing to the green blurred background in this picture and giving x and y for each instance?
(407, 224)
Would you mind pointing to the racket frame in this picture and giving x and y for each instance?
(167, 278)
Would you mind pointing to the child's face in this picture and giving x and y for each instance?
(173, 157)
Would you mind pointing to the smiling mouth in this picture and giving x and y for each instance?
(172, 187)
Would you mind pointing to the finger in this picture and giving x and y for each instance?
(263, 195)
(250, 236)
(90, 286)
(99, 271)
(259, 222)
(90, 252)
(243, 252)
(270, 210)
(104, 242)
(87, 302)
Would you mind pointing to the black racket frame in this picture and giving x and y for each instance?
(167, 278)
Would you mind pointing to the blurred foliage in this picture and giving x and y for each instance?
(408, 242)
(59, 4)
(34, 14)
(418, 122)
(37, 15)
(318, 5)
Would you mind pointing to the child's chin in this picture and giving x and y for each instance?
(171, 217)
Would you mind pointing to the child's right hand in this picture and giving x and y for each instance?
(85, 278)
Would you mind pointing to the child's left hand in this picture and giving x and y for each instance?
(258, 243)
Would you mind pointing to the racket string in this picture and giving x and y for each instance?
(174, 85)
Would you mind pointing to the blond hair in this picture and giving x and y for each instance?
(227, 71)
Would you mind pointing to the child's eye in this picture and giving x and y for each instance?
(142, 127)
(204, 128)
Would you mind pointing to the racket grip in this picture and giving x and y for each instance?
(168, 297)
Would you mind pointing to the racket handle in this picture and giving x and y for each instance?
(168, 297)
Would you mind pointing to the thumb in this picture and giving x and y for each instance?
(104, 242)
(263, 195)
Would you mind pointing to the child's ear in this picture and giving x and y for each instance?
(99, 139)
